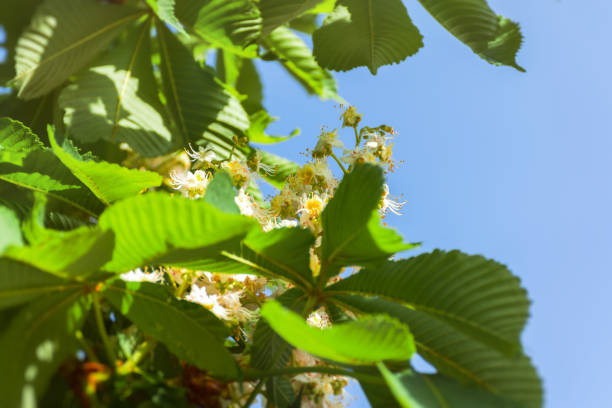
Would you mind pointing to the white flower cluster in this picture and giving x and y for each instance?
(235, 299)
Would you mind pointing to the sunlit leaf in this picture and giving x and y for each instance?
(276, 13)
(108, 181)
(175, 228)
(11, 231)
(361, 342)
(62, 38)
(116, 99)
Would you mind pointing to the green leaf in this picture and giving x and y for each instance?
(35, 113)
(39, 169)
(164, 9)
(478, 296)
(227, 24)
(283, 168)
(361, 342)
(401, 394)
(116, 99)
(189, 330)
(108, 181)
(494, 38)
(62, 38)
(259, 122)
(16, 141)
(269, 349)
(502, 49)
(16, 16)
(280, 392)
(352, 234)
(248, 83)
(458, 355)
(276, 13)
(281, 252)
(367, 33)
(11, 230)
(20, 283)
(296, 57)
(78, 254)
(35, 343)
(176, 229)
(201, 107)
(221, 193)
(437, 391)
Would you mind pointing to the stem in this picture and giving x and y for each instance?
(131, 364)
(253, 394)
(110, 354)
(339, 163)
(357, 137)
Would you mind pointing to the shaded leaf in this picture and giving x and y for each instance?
(280, 392)
(361, 342)
(276, 13)
(458, 355)
(60, 41)
(35, 343)
(269, 349)
(495, 38)
(201, 107)
(283, 168)
(227, 24)
(478, 296)
(367, 33)
(296, 57)
(108, 181)
(20, 283)
(116, 99)
(189, 330)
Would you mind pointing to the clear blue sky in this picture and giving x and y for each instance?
(514, 166)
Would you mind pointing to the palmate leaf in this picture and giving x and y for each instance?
(38, 169)
(116, 99)
(11, 231)
(281, 252)
(164, 9)
(269, 349)
(189, 330)
(367, 33)
(77, 254)
(352, 234)
(296, 57)
(458, 355)
(21, 283)
(16, 15)
(227, 24)
(108, 181)
(61, 40)
(494, 38)
(248, 83)
(502, 49)
(201, 107)
(361, 342)
(35, 343)
(283, 168)
(276, 13)
(280, 392)
(476, 295)
(413, 390)
(176, 229)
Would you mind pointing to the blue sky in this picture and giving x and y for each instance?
(513, 166)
